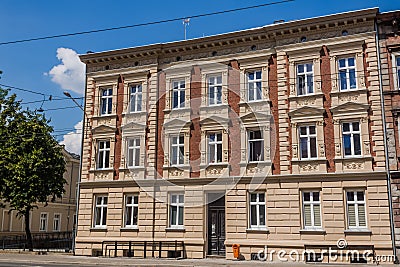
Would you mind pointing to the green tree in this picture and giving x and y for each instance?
(31, 161)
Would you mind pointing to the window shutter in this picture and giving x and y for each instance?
(317, 215)
(307, 215)
(351, 215)
(361, 215)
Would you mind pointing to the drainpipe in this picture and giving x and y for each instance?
(389, 183)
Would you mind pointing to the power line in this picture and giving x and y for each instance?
(146, 23)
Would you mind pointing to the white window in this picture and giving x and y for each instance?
(103, 160)
(254, 85)
(177, 150)
(100, 211)
(351, 138)
(257, 210)
(311, 210)
(356, 217)
(214, 90)
(133, 152)
(255, 146)
(178, 94)
(215, 147)
(43, 222)
(347, 73)
(308, 142)
(136, 98)
(176, 210)
(57, 222)
(305, 77)
(106, 101)
(131, 210)
(398, 71)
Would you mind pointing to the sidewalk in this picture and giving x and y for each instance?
(24, 258)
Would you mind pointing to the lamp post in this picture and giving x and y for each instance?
(67, 94)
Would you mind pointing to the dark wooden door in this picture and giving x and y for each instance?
(216, 228)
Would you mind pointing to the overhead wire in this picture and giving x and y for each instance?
(145, 23)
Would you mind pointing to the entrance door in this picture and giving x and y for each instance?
(216, 227)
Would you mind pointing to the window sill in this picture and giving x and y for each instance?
(305, 96)
(101, 170)
(177, 110)
(254, 102)
(129, 229)
(98, 229)
(339, 91)
(105, 116)
(358, 231)
(367, 157)
(258, 230)
(218, 164)
(136, 113)
(255, 163)
(313, 231)
(179, 167)
(135, 168)
(309, 160)
(175, 229)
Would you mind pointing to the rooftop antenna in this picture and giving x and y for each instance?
(185, 23)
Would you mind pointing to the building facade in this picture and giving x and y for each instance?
(58, 216)
(267, 137)
(389, 47)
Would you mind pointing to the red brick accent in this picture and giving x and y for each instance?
(160, 121)
(326, 88)
(118, 134)
(289, 128)
(273, 96)
(88, 127)
(234, 128)
(195, 131)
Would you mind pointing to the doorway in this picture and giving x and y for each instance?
(216, 225)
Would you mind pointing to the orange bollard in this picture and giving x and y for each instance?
(236, 250)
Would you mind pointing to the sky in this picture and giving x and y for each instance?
(50, 67)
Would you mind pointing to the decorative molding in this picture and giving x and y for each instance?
(309, 167)
(353, 165)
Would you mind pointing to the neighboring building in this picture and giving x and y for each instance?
(57, 216)
(271, 136)
(389, 42)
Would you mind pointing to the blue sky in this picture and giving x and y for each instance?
(29, 65)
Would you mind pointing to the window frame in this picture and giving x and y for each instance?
(258, 204)
(176, 85)
(250, 141)
(397, 69)
(136, 152)
(347, 69)
(59, 222)
(306, 74)
(255, 82)
(102, 155)
(312, 204)
(45, 220)
(351, 132)
(134, 206)
(218, 145)
(180, 208)
(308, 136)
(180, 158)
(138, 96)
(356, 204)
(215, 87)
(103, 211)
(107, 101)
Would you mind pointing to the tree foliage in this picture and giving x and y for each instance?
(31, 161)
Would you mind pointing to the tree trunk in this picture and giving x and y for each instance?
(28, 230)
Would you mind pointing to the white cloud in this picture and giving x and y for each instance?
(70, 74)
(72, 140)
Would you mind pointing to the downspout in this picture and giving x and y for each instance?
(80, 171)
(389, 183)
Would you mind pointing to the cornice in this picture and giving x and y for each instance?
(288, 178)
(265, 37)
